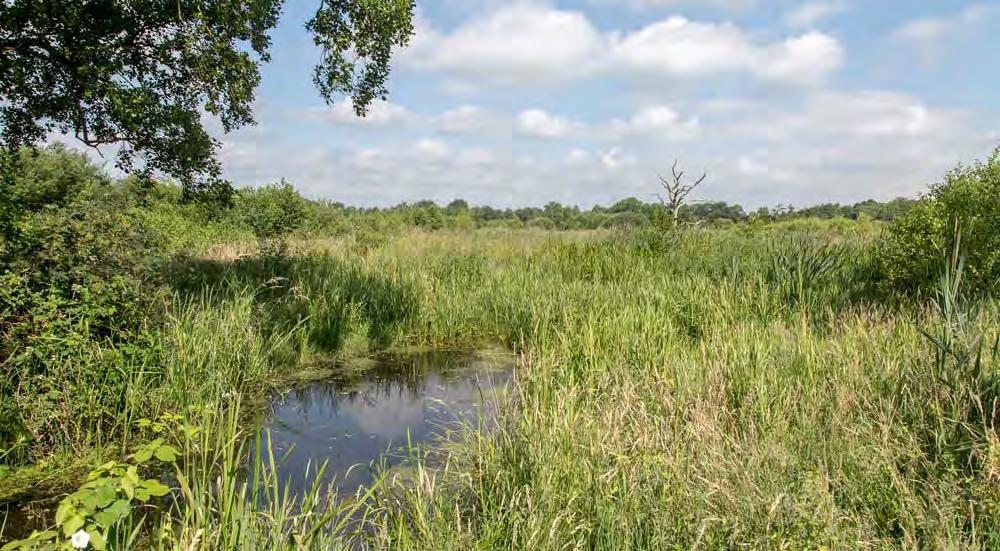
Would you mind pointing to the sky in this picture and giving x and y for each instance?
(521, 102)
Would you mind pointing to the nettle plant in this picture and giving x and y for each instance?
(86, 518)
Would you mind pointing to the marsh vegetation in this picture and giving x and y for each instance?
(761, 383)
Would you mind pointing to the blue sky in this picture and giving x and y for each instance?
(516, 103)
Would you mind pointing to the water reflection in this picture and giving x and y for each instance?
(355, 422)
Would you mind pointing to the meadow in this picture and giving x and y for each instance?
(758, 384)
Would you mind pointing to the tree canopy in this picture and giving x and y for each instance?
(142, 73)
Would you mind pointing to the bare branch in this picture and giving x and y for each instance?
(677, 191)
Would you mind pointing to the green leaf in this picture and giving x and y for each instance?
(167, 453)
(110, 516)
(156, 488)
(105, 495)
(132, 475)
(66, 508)
(72, 524)
(89, 500)
(143, 455)
(96, 539)
(128, 484)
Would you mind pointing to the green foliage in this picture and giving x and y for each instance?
(78, 278)
(802, 267)
(142, 74)
(105, 502)
(969, 197)
(51, 177)
(542, 223)
(626, 220)
(272, 211)
(720, 387)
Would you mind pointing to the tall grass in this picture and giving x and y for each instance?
(720, 389)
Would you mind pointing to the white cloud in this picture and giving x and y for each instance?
(542, 124)
(656, 121)
(681, 47)
(512, 44)
(615, 158)
(841, 146)
(678, 47)
(730, 5)
(697, 90)
(432, 148)
(853, 116)
(464, 118)
(806, 59)
(577, 155)
(530, 44)
(832, 146)
(928, 32)
(808, 15)
(380, 113)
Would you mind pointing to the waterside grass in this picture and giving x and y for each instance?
(715, 389)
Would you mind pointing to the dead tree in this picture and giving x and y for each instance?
(677, 192)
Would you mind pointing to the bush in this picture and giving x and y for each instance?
(626, 220)
(50, 176)
(272, 211)
(77, 281)
(541, 223)
(969, 200)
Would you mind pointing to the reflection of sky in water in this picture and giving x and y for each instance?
(354, 423)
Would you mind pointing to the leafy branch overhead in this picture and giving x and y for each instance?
(142, 73)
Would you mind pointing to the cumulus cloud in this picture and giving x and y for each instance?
(542, 124)
(678, 47)
(532, 44)
(432, 148)
(805, 59)
(515, 43)
(728, 5)
(843, 146)
(810, 14)
(752, 107)
(657, 122)
(380, 113)
(471, 119)
(929, 32)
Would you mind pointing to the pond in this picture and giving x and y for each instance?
(367, 416)
(363, 416)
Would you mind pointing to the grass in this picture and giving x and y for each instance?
(719, 389)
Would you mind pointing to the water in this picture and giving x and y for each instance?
(360, 418)
(359, 422)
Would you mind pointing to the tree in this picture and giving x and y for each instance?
(677, 192)
(141, 73)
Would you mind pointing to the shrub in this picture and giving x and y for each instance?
(272, 211)
(626, 220)
(50, 176)
(541, 223)
(77, 281)
(969, 198)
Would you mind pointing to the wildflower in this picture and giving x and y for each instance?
(80, 539)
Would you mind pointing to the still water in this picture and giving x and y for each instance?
(366, 419)
(359, 419)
